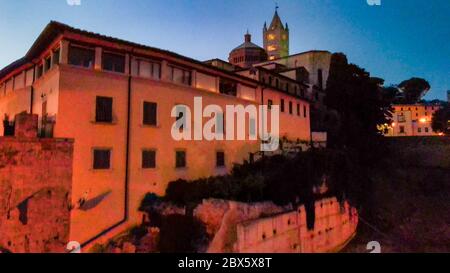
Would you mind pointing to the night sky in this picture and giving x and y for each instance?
(395, 41)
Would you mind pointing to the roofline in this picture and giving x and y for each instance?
(54, 29)
(265, 85)
(297, 54)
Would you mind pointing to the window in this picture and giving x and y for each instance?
(181, 116)
(419, 130)
(402, 129)
(102, 159)
(427, 130)
(290, 108)
(220, 159)
(39, 71)
(56, 56)
(180, 159)
(148, 159)
(320, 78)
(147, 69)
(81, 56)
(113, 62)
(401, 118)
(305, 111)
(269, 104)
(277, 83)
(103, 111)
(180, 76)
(48, 63)
(227, 87)
(298, 109)
(150, 113)
(282, 106)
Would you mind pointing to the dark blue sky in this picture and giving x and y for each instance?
(395, 41)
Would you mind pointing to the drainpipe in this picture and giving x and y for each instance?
(262, 103)
(127, 159)
(32, 89)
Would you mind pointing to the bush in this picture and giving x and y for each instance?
(283, 180)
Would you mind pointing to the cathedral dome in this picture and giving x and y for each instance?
(247, 53)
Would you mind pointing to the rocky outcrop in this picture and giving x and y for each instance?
(221, 218)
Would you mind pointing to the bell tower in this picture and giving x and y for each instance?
(276, 38)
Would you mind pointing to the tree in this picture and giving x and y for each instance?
(414, 89)
(441, 120)
(361, 104)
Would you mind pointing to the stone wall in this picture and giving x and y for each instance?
(288, 233)
(35, 189)
(267, 228)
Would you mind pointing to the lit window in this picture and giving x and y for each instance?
(271, 48)
(270, 37)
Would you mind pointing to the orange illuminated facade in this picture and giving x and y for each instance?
(114, 98)
(412, 120)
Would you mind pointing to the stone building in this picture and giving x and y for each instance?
(115, 99)
(412, 120)
(247, 54)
